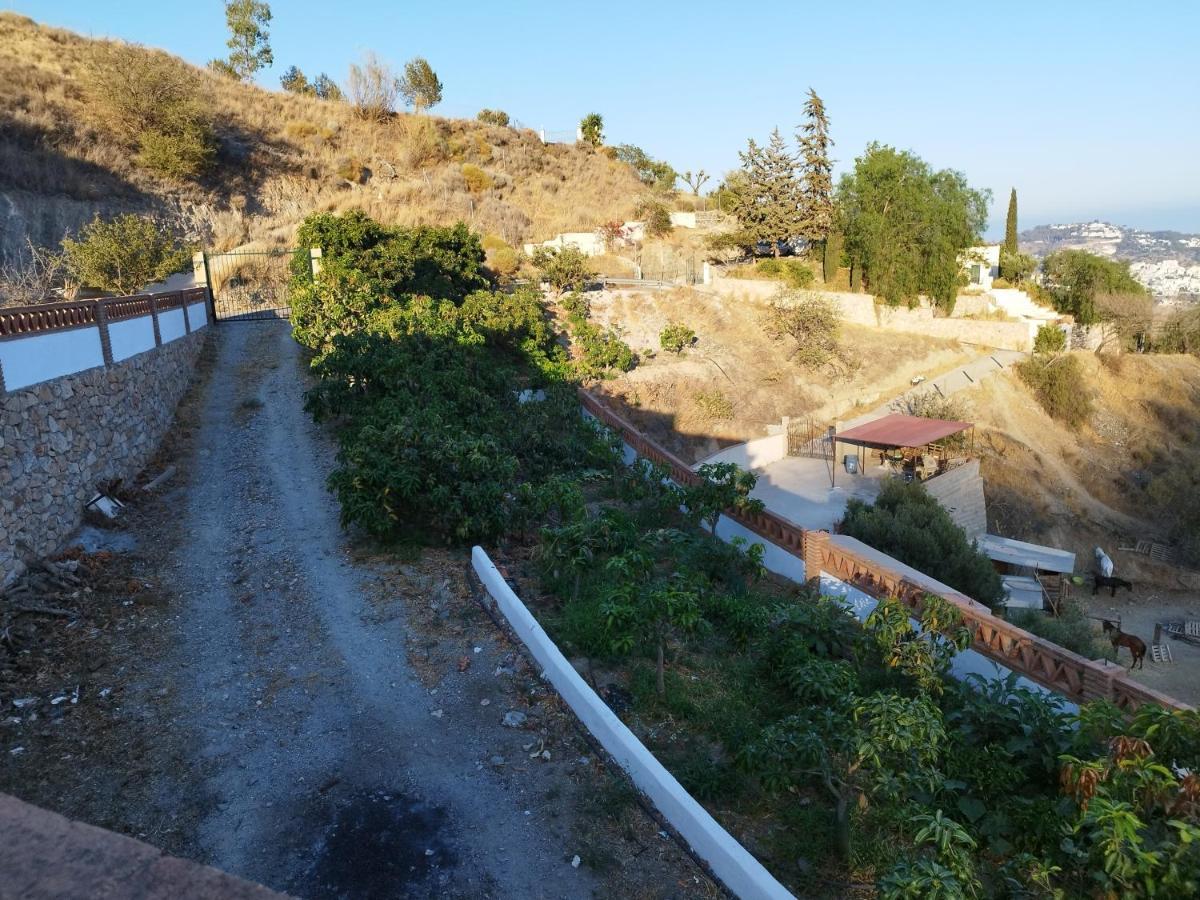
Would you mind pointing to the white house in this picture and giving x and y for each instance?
(982, 265)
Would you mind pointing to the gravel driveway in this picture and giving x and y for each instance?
(331, 769)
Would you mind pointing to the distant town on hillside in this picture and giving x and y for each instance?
(1167, 262)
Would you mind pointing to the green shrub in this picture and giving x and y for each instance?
(366, 267)
(1049, 339)
(477, 180)
(1059, 385)
(180, 153)
(676, 337)
(604, 353)
(909, 524)
(792, 271)
(657, 218)
(124, 254)
(155, 104)
(352, 170)
(493, 117)
(1071, 629)
(563, 269)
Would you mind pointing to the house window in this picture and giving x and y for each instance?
(976, 274)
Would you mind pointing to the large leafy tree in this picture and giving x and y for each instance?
(249, 38)
(656, 173)
(907, 224)
(1076, 278)
(816, 216)
(766, 196)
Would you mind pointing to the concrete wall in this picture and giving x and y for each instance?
(753, 454)
(62, 437)
(744, 875)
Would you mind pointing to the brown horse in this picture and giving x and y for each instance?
(1137, 647)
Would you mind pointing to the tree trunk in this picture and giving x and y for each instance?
(842, 827)
(661, 685)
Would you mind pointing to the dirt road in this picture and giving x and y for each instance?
(330, 768)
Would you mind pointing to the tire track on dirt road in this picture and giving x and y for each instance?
(328, 769)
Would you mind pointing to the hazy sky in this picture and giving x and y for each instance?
(1091, 110)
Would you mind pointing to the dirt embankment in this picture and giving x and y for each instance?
(1079, 490)
(736, 380)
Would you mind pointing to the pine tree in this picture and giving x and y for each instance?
(816, 179)
(295, 81)
(767, 205)
(1010, 225)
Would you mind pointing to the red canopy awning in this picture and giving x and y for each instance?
(899, 430)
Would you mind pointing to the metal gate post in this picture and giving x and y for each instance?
(212, 306)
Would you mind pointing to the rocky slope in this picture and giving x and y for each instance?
(280, 157)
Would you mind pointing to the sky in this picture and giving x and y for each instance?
(1090, 110)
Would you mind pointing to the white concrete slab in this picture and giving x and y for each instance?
(798, 489)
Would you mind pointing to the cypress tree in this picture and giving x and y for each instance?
(1010, 225)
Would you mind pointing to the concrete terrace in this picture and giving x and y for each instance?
(797, 488)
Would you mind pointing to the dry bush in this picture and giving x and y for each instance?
(477, 180)
(812, 321)
(713, 406)
(32, 277)
(372, 87)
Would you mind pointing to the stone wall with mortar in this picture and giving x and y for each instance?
(60, 439)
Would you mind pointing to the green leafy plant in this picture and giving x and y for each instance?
(591, 127)
(497, 117)
(563, 269)
(1049, 339)
(909, 524)
(1059, 385)
(676, 337)
(722, 486)
(124, 254)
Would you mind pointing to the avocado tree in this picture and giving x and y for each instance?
(722, 486)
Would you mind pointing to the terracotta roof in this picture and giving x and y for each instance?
(899, 430)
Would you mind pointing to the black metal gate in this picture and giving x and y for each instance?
(250, 285)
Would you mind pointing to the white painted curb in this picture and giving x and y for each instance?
(744, 875)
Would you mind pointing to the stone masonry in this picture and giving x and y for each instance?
(61, 439)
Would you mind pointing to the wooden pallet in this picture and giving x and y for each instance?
(1161, 653)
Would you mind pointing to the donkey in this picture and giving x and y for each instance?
(1111, 582)
(1137, 647)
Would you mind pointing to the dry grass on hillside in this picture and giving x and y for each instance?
(736, 380)
(1047, 483)
(282, 156)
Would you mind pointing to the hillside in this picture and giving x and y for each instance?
(1166, 262)
(735, 381)
(279, 157)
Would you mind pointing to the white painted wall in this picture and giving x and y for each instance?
(683, 219)
(744, 875)
(755, 454)
(197, 316)
(170, 325)
(129, 337)
(41, 357)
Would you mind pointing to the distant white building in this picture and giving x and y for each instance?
(982, 265)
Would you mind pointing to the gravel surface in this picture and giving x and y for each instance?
(334, 770)
(362, 729)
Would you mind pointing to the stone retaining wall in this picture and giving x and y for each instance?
(61, 439)
(861, 309)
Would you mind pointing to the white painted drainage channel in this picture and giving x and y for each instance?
(744, 875)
